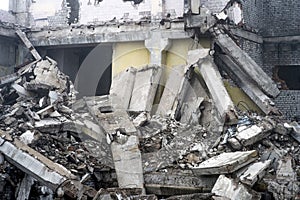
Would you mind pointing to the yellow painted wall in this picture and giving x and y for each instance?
(129, 54)
(241, 99)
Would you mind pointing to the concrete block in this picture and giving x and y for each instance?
(122, 87)
(254, 172)
(228, 188)
(146, 82)
(226, 163)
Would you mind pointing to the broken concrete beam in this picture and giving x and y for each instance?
(177, 183)
(250, 135)
(28, 44)
(144, 90)
(169, 96)
(128, 163)
(254, 172)
(213, 80)
(122, 87)
(246, 84)
(228, 188)
(48, 125)
(246, 63)
(35, 168)
(226, 163)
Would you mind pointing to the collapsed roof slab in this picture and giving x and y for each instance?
(246, 63)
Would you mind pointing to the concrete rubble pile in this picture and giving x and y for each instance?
(197, 146)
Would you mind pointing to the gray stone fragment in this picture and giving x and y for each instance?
(228, 188)
(226, 163)
(143, 94)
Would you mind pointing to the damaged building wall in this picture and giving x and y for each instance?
(281, 18)
(63, 12)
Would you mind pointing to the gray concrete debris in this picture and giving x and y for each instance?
(108, 118)
(246, 84)
(248, 135)
(198, 196)
(226, 163)
(177, 183)
(213, 80)
(228, 188)
(254, 172)
(246, 63)
(25, 187)
(122, 87)
(170, 93)
(191, 112)
(128, 163)
(145, 85)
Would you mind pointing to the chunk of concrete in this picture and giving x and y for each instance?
(226, 163)
(169, 96)
(252, 134)
(246, 63)
(285, 170)
(177, 183)
(128, 163)
(228, 188)
(213, 80)
(144, 90)
(254, 172)
(122, 87)
(191, 112)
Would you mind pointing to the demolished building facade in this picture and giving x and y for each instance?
(178, 100)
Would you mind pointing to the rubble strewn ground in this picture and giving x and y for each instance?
(99, 151)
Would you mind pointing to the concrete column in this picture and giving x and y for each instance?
(156, 45)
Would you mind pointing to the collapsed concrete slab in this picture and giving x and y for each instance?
(213, 80)
(128, 163)
(108, 118)
(191, 112)
(245, 62)
(122, 87)
(228, 188)
(226, 163)
(144, 90)
(246, 84)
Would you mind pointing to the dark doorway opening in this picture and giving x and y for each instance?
(89, 67)
(288, 77)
